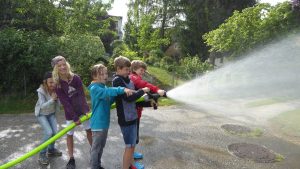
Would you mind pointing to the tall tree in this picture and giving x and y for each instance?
(201, 16)
(147, 23)
(29, 15)
(253, 26)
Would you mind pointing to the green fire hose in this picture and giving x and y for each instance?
(51, 140)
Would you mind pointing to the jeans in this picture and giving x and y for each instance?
(49, 125)
(129, 135)
(99, 141)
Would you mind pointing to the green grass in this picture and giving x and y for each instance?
(288, 122)
(254, 133)
(279, 158)
(17, 105)
(263, 102)
(166, 102)
(164, 78)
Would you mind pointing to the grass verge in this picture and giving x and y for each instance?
(17, 105)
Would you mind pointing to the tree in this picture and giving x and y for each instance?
(251, 27)
(148, 21)
(201, 16)
(29, 15)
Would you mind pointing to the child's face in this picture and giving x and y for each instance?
(123, 72)
(102, 77)
(62, 67)
(140, 71)
(50, 84)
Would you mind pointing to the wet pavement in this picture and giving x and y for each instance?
(171, 138)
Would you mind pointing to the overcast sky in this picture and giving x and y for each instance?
(119, 8)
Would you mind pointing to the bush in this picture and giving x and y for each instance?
(82, 51)
(191, 67)
(24, 57)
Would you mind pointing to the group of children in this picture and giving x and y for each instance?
(64, 87)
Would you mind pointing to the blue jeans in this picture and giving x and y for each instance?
(49, 125)
(129, 135)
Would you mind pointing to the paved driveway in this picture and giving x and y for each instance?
(171, 137)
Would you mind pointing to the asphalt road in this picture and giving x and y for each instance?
(171, 138)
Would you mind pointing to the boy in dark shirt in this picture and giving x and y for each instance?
(126, 110)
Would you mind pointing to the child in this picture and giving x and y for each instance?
(138, 69)
(126, 110)
(69, 89)
(102, 97)
(45, 109)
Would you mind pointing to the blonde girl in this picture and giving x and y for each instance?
(69, 89)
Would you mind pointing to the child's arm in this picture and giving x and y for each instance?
(44, 102)
(135, 95)
(103, 93)
(140, 83)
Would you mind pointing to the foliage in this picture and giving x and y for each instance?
(164, 79)
(24, 56)
(121, 49)
(156, 24)
(191, 67)
(30, 15)
(14, 104)
(82, 51)
(154, 57)
(203, 16)
(147, 24)
(251, 27)
(32, 32)
(89, 16)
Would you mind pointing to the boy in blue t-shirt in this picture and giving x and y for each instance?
(102, 97)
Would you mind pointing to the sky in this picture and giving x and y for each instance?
(119, 8)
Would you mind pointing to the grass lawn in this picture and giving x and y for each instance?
(164, 77)
(263, 102)
(16, 105)
(288, 122)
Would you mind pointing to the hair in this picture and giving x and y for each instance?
(97, 69)
(44, 84)
(121, 62)
(136, 64)
(55, 73)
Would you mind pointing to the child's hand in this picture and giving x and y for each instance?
(128, 91)
(54, 96)
(77, 122)
(161, 92)
(153, 103)
(146, 89)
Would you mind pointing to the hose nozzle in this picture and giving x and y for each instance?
(155, 97)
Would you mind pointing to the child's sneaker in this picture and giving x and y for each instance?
(71, 164)
(137, 155)
(54, 153)
(139, 165)
(43, 159)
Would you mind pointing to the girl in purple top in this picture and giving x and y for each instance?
(69, 90)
